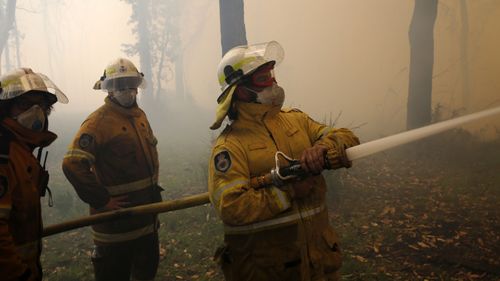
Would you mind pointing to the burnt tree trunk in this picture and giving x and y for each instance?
(144, 50)
(421, 35)
(232, 24)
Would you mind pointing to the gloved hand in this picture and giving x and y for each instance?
(303, 187)
(117, 202)
(313, 159)
(336, 158)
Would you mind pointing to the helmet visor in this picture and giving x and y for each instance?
(123, 83)
(269, 51)
(263, 76)
(18, 85)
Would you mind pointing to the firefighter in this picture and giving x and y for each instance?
(112, 164)
(272, 232)
(26, 99)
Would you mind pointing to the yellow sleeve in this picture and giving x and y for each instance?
(331, 137)
(78, 162)
(236, 202)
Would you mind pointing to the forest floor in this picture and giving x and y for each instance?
(426, 212)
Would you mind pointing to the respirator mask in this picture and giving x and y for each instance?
(125, 98)
(33, 119)
(273, 95)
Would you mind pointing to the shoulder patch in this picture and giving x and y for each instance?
(4, 186)
(85, 140)
(222, 161)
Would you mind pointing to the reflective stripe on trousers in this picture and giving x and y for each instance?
(124, 236)
(5, 212)
(263, 225)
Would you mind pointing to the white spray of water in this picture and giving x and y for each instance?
(382, 144)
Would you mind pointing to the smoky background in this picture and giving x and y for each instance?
(347, 64)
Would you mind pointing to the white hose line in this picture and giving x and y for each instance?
(382, 144)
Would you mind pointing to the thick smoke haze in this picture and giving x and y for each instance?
(346, 61)
(341, 57)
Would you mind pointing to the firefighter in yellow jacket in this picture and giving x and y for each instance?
(113, 163)
(281, 231)
(26, 99)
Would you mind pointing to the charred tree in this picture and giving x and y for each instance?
(421, 35)
(232, 24)
(464, 54)
(143, 21)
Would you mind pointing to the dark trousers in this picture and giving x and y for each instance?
(119, 261)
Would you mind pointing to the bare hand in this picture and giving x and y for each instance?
(313, 159)
(117, 202)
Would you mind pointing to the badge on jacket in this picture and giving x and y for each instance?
(222, 161)
(4, 186)
(85, 140)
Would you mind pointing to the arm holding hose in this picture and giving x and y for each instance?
(327, 152)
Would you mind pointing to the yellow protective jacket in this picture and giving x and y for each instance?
(114, 153)
(20, 211)
(269, 234)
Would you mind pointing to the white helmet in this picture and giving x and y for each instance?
(238, 63)
(24, 80)
(243, 60)
(121, 74)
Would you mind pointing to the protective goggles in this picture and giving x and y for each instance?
(262, 77)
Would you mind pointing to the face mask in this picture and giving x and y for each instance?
(33, 119)
(125, 98)
(274, 95)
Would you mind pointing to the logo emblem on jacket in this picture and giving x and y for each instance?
(222, 161)
(85, 140)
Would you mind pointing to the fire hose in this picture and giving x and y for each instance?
(276, 176)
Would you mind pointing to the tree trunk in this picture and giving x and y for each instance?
(6, 55)
(421, 35)
(179, 76)
(232, 24)
(18, 47)
(7, 19)
(464, 55)
(144, 48)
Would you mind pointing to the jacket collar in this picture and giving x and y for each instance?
(255, 112)
(29, 138)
